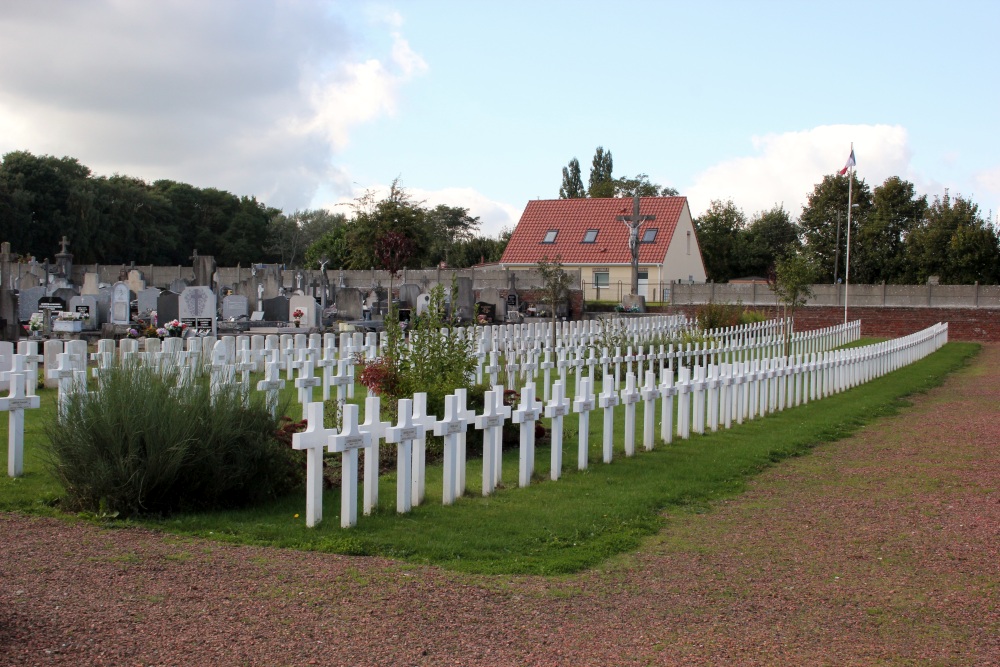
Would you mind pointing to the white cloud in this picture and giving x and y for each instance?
(989, 180)
(786, 167)
(255, 98)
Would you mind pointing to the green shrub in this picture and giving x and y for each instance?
(142, 446)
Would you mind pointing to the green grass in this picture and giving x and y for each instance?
(549, 527)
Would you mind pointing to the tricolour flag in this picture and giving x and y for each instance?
(850, 163)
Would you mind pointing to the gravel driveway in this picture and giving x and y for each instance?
(880, 549)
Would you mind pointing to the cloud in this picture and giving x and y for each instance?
(989, 180)
(785, 167)
(252, 97)
(494, 216)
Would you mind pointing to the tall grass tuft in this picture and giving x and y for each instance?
(142, 446)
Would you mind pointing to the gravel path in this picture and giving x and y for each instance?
(880, 549)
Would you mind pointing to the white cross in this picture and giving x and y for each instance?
(468, 415)
(650, 392)
(450, 426)
(683, 389)
(608, 399)
(305, 383)
(63, 373)
(422, 419)
(547, 367)
(313, 440)
(493, 369)
(489, 423)
(348, 441)
(16, 403)
(630, 395)
(374, 427)
(582, 405)
(557, 408)
(272, 384)
(341, 380)
(404, 433)
(526, 414)
(504, 410)
(31, 361)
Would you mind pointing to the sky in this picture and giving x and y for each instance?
(309, 103)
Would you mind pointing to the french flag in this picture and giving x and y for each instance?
(850, 163)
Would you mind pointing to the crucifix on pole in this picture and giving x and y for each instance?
(633, 222)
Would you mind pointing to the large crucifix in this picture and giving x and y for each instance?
(633, 222)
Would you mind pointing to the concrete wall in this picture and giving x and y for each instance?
(933, 296)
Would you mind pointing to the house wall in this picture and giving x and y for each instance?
(680, 264)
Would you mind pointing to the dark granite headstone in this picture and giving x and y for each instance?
(167, 306)
(276, 309)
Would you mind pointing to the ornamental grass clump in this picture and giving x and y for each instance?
(141, 445)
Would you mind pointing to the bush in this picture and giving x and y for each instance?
(141, 445)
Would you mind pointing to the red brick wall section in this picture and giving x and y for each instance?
(965, 324)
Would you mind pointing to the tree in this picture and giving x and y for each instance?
(555, 287)
(447, 226)
(291, 236)
(792, 282)
(572, 182)
(332, 247)
(373, 218)
(626, 187)
(826, 205)
(880, 252)
(770, 236)
(954, 243)
(393, 249)
(719, 230)
(601, 181)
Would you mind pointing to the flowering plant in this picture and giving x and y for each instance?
(298, 313)
(133, 332)
(482, 319)
(69, 316)
(35, 323)
(175, 327)
(161, 332)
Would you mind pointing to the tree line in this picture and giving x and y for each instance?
(897, 237)
(121, 219)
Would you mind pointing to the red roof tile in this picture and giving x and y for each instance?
(572, 218)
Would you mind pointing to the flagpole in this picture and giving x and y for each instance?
(847, 270)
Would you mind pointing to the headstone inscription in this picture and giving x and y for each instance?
(197, 308)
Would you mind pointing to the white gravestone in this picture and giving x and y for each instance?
(557, 408)
(375, 428)
(313, 440)
(347, 442)
(583, 404)
(15, 404)
(526, 414)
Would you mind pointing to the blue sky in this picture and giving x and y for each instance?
(480, 104)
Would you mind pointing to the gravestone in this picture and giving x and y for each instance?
(408, 294)
(349, 303)
(91, 283)
(146, 301)
(276, 309)
(197, 308)
(465, 300)
(120, 308)
(6, 363)
(104, 304)
(86, 305)
(178, 285)
(27, 302)
(136, 283)
(491, 295)
(167, 306)
(204, 268)
(423, 300)
(309, 307)
(64, 293)
(234, 307)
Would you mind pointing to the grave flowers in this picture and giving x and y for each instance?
(175, 328)
(132, 333)
(297, 315)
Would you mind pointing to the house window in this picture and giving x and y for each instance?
(649, 236)
(689, 242)
(550, 236)
(590, 236)
(602, 278)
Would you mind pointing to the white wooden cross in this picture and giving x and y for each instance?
(683, 388)
(421, 419)
(557, 408)
(546, 367)
(526, 414)
(326, 366)
(617, 360)
(306, 382)
(347, 442)
(450, 426)
(650, 392)
(314, 441)
(504, 411)
(272, 384)
(713, 385)
(667, 391)
(630, 395)
(608, 399)
(341, 381)
(494, 368)
(63, 374)
(698, 386)
(15, 404)
(461, 394)
(583, 404)
(403, 434)
(489, 423)
(375, 428)
(29, 350)
(244, 366)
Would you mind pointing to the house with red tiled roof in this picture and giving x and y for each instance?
(586, 234)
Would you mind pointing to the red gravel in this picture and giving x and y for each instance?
(880, 549)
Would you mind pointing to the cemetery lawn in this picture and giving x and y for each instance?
(550, 527)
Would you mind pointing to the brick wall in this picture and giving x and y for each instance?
(966, 324)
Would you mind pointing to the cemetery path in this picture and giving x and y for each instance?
(878, 549)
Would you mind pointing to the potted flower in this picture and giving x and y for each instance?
(297, 315)
(175, 328)
(133, 333)
(35, 325)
